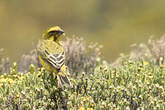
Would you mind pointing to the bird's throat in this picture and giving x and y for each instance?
(52, 38)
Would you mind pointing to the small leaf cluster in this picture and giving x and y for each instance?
(133, 85)
(32, 91)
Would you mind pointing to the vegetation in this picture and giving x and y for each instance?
(134, 84)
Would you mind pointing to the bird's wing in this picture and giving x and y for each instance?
(52, 53)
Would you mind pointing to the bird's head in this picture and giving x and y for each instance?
(53, 33)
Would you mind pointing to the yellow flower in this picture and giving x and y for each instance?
(39, 74)
(81, 108)
(105, 69)
(137, 75)
(10, 81)
(145, 63)
(89, 108)
(161, 65)
(69, 103)
(113, 71)
(150, 77)
(127, 108)
(3, 80)
(20, 78)
(90, 98)
(93, 104)
(17, 96)
(83, 99)
(1, 84)
(139, 69)
(75, 93)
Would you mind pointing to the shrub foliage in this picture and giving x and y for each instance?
(134, 85)
(97, 85)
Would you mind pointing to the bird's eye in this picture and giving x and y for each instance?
(51, 32)
(55, 33)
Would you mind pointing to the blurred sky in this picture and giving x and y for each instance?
(116, 24)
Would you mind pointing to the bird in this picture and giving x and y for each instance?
(52, 56)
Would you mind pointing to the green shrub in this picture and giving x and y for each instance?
(32, 90)
(133, 85)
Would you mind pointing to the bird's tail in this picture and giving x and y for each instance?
(63, 80)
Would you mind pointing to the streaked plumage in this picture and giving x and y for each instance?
(51, 55)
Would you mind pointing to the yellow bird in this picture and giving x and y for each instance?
(52, 56)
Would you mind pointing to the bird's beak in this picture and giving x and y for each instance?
(61, 31)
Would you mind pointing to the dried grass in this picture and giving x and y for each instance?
(4, 62)
(153, 51)
(80, 57)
